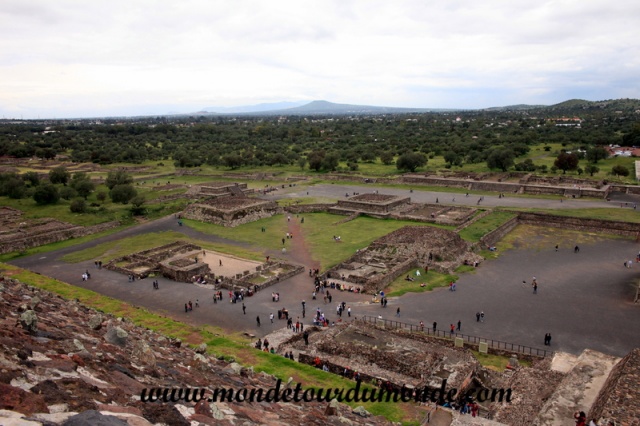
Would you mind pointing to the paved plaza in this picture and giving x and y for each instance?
(585, 299)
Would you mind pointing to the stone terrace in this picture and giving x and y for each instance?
(174, 260)
(380, 205)
(230, 211)
(396, 253)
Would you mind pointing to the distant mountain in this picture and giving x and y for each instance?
(624, 105)
(254, 108)
(519, 107)
(330, 108)
(573, 106)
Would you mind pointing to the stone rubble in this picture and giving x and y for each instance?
(66, 371)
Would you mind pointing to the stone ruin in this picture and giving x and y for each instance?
(400, 251)
(396, 207)
(378, 205)
(264, 276)
(178, 261)
(544, 391)
(228, 205)
(18, 234)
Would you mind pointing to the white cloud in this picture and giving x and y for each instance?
(70, 58)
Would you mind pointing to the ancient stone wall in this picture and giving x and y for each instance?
(309, 208)
(579, 224)
(490, 239)
(30, 241)
(496, 187)
(619, 398)
(245, 280)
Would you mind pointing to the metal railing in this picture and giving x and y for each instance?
(474, 340)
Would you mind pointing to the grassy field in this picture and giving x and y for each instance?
(430, 280)
(114, 249)
(483, 226)
(318, 230)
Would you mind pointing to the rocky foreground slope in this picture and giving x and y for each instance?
(62, 363)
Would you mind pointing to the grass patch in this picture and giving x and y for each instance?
(484, 225)
(496, 362)
(430, 280)
(114, 249)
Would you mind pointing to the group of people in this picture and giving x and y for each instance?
(86, 275)
(189, 306)
(156, 285)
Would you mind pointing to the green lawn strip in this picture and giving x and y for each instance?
(114, 249)
(483, 226)
(251, 233)
(233, 347)
(620, 214)
(496, 362)
(285, 202)
(59, 245)
(430, 280)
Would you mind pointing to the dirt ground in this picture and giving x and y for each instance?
(226, 265)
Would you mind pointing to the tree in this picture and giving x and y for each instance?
(101, 196)
(315, 160)
(46, 194)
(331, 161)
(452, 158)
(59, 175)
(387, 158)
(233, 161)
(79, 205)
(122, 193)
(566, 161)
(82, 184)
(137, 205)
(67, 193)
(302, 162)
(620, 170)
(591, 169)
(596, 154)
(32, 178)
(500, 158)
(411, 161)
(118, 177)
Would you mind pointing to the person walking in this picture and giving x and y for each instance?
(398, 311)
(349, 311)
(271, 317)
(477, 316)
(258, 320)
(244, 309)
(459, 324)
(452, 328)
(481, 316)
(535, 286)
(435, 324)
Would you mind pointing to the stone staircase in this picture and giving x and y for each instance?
(586, 375)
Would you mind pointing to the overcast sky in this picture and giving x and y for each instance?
(81, 58)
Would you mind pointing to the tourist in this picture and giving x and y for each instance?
(271, 317)
(477, 316)
(481, 316)
(244, 309)
(581, 418)
(398, 311)
(258, 320)
(459, 324)
(435, 324)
